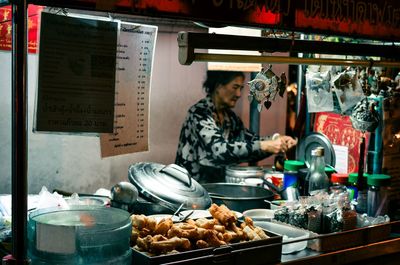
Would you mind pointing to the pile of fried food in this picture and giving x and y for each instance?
(165, 236)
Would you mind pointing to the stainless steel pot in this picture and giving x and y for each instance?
(239, 197)
(237, 174)
(166, 187)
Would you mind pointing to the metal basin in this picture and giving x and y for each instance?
(239, 197)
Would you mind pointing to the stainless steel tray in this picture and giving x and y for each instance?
(266, 251)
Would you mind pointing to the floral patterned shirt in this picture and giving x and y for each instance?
(205, 144)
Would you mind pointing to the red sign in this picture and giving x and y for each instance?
(339, 131)
(227, 12)
(354, 18)
(370, 18)
(6, 27)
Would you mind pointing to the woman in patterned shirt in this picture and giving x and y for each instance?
(213, 136)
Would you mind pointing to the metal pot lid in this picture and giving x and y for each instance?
(311, 142)
(170, 186)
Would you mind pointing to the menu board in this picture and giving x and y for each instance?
(76, 80)
(133, 81)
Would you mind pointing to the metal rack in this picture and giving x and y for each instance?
(188, 42)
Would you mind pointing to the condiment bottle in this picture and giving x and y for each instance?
(352, 188)
(362, 192)
(291, 174)
(318, 180)
(378, 197)
(339, 182)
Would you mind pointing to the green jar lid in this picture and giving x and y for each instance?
(293, 165)
(330, 169)
(378, 180)
(354, 176)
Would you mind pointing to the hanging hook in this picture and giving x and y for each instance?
(371, 63)
(292, 44)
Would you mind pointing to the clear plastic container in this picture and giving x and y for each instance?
(339, 182)
(289, 233)
(87, 235)
(358, 191)
(378, 197)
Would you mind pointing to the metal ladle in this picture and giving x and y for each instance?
(124, 195)
(289, 194)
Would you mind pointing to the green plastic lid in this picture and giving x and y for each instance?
(378, 180)
(354, 176)
(293, 165)
(330, 169)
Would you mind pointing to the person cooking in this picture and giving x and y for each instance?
(213, 136)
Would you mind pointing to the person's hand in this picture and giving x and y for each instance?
(278, 145)
(290, 142)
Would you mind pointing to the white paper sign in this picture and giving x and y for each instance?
(57, 239)
(342, 158)
(133, 81)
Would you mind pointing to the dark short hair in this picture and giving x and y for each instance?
(216, 78)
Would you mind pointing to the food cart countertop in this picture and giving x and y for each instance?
(383, 252)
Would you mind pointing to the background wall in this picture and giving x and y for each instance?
(73, 163)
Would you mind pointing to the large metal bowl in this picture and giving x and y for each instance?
(239, 197)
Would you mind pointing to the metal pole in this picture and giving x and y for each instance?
(208, 57)
(19, 135)
(254, 123)
(378, 155)
(300, 79)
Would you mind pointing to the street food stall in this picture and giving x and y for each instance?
(300, 233)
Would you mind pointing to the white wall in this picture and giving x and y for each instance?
(73, 163)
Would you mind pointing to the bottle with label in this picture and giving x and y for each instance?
(318, 180)
(291, 172)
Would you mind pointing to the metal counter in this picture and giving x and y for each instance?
(383, 252)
